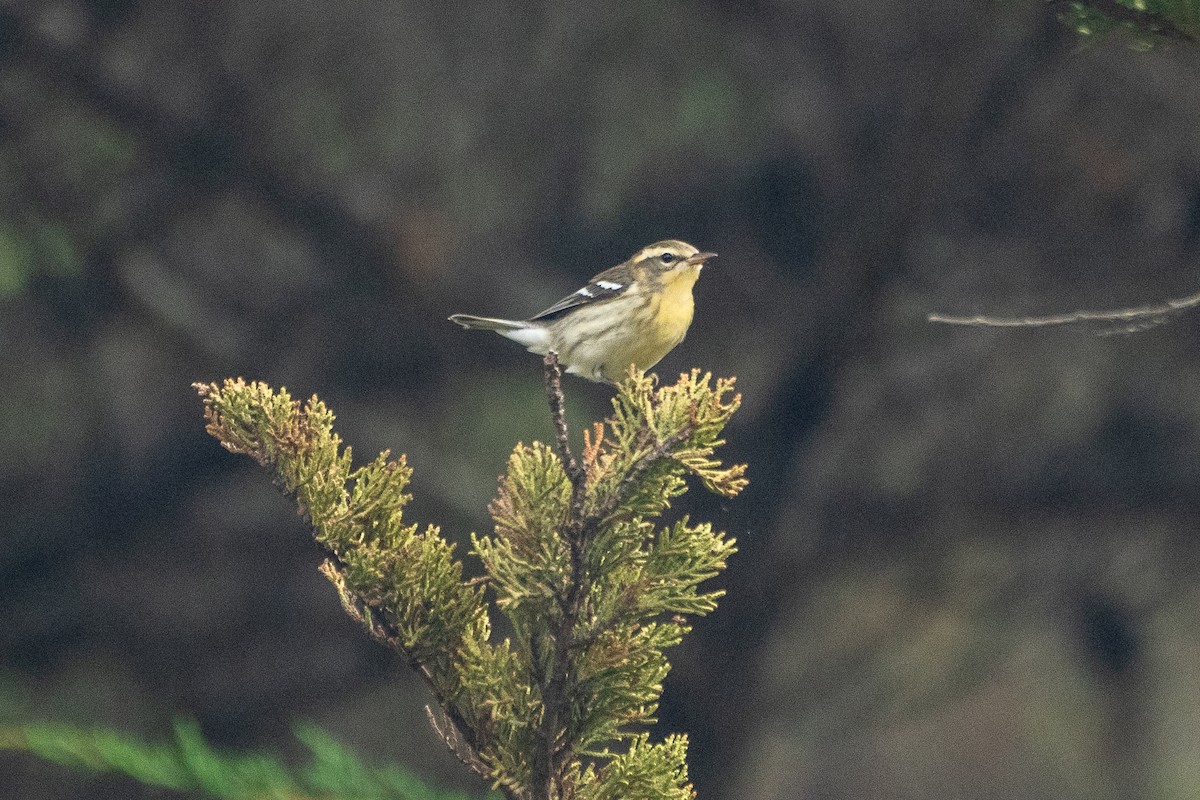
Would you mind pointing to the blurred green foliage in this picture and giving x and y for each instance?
(29, 250)
(187, 763)
(1146, 22)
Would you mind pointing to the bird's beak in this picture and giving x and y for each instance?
(700, 258)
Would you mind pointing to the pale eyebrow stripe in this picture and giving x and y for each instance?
(680, 249)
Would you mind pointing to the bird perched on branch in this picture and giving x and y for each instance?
(634, 313)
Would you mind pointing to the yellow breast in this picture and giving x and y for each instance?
(666, 324)
(676, 305)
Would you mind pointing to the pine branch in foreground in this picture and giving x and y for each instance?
(594, 586)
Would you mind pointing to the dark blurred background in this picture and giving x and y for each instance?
(968, 566)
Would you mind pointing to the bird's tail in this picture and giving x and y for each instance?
(473, 323)
(530, 334)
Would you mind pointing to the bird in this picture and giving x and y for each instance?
(631, 314)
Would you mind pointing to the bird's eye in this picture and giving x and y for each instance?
(667, 258)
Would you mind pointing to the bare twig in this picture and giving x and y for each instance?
(577, 472)
(1152, 314)
(555, 680)
(558, 412)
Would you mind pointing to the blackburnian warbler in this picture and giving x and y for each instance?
(634, 313)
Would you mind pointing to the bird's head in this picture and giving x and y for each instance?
(670, 257)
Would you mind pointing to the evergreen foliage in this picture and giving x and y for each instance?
(190, 764)
(595, 588)
(1146, 22)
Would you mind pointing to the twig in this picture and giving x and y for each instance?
(576, 472)
(1147, 313)
(448, 732)
(642, 465)
(463, 740)
(558, 412)
(554, 682)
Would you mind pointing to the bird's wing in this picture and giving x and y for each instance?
(605, 286)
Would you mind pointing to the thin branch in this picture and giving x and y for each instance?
(467, 739)
(1152, 314)
(577, 472)
(448, 732)
(554, 394)
(640, 467)
(554, 682)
